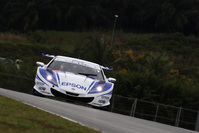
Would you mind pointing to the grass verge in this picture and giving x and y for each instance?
(16, 117)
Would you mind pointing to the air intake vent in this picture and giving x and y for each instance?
(57, 93)
(72, 97)
(72, 94)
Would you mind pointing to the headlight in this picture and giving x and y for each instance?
(50, 78)
(98, 88)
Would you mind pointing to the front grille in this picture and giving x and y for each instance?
(72, 98)
(57, 93)
(72, 94)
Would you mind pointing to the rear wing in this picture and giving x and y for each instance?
(106, 68)
(48, 55)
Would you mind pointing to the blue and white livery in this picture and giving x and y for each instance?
(74, 79)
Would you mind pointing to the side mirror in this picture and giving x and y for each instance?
(40, 64)
(111, 79)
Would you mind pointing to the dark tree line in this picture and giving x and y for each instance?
(82, 15)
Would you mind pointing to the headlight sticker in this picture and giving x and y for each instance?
(98, 88)
(51, 78)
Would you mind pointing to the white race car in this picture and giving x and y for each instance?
(74, 79)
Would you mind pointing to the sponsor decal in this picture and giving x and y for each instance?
(40, 83)
(102, 101)
(73, 85)
(42, 88)
(79, 62)
(105, 97)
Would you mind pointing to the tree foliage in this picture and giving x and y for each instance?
(153, 77)
(168, 76)
(134, 15)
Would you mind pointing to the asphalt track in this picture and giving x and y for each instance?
(104, 121)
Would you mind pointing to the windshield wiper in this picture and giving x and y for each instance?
(88, 74)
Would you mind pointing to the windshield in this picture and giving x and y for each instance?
(77, 69)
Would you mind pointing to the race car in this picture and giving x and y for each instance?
(74, 79)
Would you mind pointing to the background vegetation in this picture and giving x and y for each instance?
(145, 66)
(154, 53)
(134, 15)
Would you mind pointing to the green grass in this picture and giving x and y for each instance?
(16, 117)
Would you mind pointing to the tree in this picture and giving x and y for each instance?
(143, 13)
(84, 15)
(178, 15)
(24, 15)
(95, 48)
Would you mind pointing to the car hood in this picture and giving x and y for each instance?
(74, 83)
